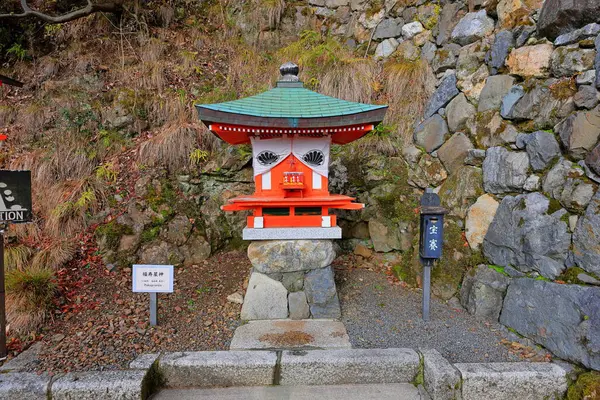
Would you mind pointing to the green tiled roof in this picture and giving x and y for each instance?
(291, 101)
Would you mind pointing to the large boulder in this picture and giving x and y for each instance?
(482, 292)
(265, 298)
(558, 17)
(504, 171)
(453, 152)
(389, 28)
(479, 217)
(586, 238)
(586, 97)
(542, 149)
(496, 87)
(565, 319)
(431, 134)
(458, 112)
(461, 189)
(450, 16)
(580, 132)
(384, 235)
(571, 60)
(565, 183)
(524, 236)
(530, 61)
(547, 104)
(472, 27)
(275, 256)
(442, 96)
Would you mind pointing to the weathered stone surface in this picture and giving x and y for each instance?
(386, 48)
(512, 13)
(547, 104)
(593, 160)
(431, 133)
(458, 111)
(482, 292)
(504, 171)
(218, 368)
(384, 235)
(461, 190)
(336, 3)
(441, 379)
(428, 172)
(144, 361)
(533, 183)
(586, 97)
(558, 17)
(563, 318)
(453, 152)
(590, 30)
(524, 236)
(495, 89)
(570, 60)
(290, 255)
(479, 217)
(445, 58)
(580, 132)
(265, 298)
(293, 281)
(475, 157)
(586, 78)
(159, 252)
(563, 182)
(236, 298)
(586, 238)
(510, 100)
(472, 27)
(23, 385)
(530, 61)
(503, 44)
(542, 149)
(442, 96)
(524, 380)
(317, 367)
(195, 250)
(412, 29)
(473, 84)
(449, 17)
(25, 361)
(291, 334)
(319, 286)
(597, 62)
(122, 385)
(298, 305)
(407, 51)
(389, 28)
(428, 52)
(590, 280)
(490, 130)
(370, 21)
(178, 230)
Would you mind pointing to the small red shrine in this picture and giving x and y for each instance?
(291, 130)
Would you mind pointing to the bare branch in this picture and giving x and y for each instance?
(91, 8)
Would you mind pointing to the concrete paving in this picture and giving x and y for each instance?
(288, 334)
(396, 391)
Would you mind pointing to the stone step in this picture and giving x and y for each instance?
(288, 334)
(390, 391)
(511, 381)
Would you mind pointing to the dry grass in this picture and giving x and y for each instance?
(69, 204)
(171, 148)
(408, 86)
(17, 256)
(351, 80)
(272, 10)
(54, 255)
(30, 295)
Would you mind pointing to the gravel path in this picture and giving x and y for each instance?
(380, 314)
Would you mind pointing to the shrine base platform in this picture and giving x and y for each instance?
(292, 233)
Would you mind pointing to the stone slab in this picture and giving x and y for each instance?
(291, 233)
(335, 367)
(523, 381)
(144, 361)
(288, 334)
(23, 385)
(441, 379)
(218, 368)
(106, 385)
(390, 391)
(24, 361)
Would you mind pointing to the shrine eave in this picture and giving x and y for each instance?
(210, 116)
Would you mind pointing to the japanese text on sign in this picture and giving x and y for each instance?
(153, 278)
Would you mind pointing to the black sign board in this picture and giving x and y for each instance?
(15, 196)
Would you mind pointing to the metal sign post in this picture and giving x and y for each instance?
(430, 241)
(153, 279)
(15, 207)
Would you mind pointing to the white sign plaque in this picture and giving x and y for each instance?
(153, 278)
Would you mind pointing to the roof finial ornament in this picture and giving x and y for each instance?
(289, 72)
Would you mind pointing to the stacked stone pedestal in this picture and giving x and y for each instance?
(291, 279)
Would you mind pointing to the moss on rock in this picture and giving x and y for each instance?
(587, 387)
